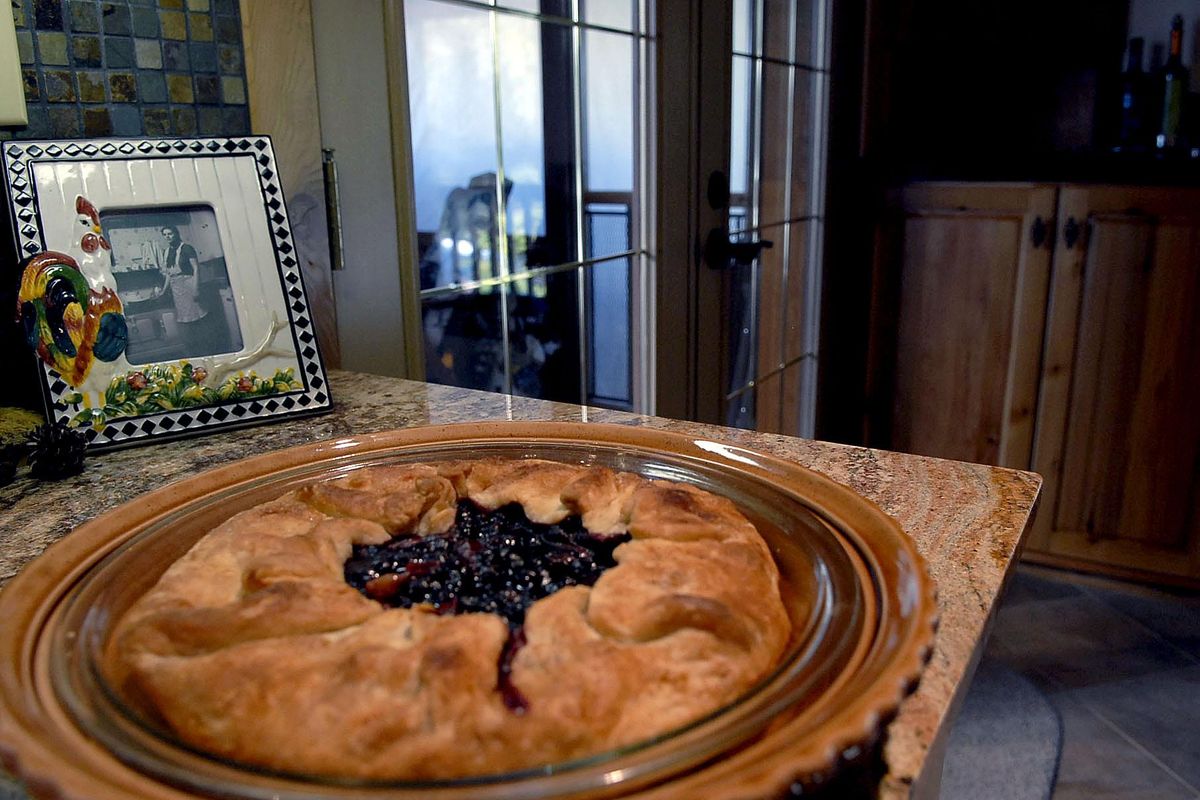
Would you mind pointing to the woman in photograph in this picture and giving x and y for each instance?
(181, 273)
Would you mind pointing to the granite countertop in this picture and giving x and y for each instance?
(967, 520)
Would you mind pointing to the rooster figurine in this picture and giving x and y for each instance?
(67, 322)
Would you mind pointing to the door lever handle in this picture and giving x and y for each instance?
(720, 253)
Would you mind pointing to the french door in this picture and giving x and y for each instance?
(590, 179)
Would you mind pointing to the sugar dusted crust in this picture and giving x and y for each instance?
(253, 647)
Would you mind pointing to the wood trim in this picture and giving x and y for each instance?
(396, 55)
(281, 81)
(1028, 331)
(1058, 355)
(675, 269)
(1110, 570)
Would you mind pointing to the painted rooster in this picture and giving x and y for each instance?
(68, 323)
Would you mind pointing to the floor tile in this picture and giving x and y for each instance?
(1031, 584)
(1174, 617)
(1080, 641)
(1098, 764)
(1161, 712)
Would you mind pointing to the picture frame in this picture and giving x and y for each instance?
(160, 286)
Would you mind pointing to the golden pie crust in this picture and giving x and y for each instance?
(253, 647)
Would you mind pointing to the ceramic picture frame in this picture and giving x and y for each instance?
(160, 286)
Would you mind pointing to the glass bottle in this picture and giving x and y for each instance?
(1174, 90)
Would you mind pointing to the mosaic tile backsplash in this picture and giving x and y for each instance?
(131, 68)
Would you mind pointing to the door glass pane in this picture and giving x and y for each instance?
(543, 336)
(454, 165)
(608, 102)
(620, 14)
(741, 134)
(743, 27)
(805, 33)
(522, 46)
(777, 29)
(609, 324)
(773, 150)
(464, 342)
(802, 134)
(531, 6)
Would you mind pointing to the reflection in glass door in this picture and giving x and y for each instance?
(528, 159)
(780, 81)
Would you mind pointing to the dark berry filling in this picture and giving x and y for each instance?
(491, 562)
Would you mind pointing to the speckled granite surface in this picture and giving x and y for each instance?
(967, 520)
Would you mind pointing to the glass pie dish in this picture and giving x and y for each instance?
(860, 601)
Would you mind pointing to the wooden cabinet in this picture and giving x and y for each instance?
(1054, 328)
(1118, 425)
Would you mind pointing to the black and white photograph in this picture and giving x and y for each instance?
(171, 273)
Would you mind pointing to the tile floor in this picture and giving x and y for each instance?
(1121, 663)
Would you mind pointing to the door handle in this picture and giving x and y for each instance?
(720, 253)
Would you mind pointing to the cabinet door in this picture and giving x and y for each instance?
(972, 295)
(1118, 434)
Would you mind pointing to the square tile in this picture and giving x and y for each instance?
(229, 30)
(225, 6)
(233, 90)
(198, 5)
(97, 122)
(25, 46)
(173, 24)
(86, 51)
(119, 51)
(48, 15)
(1175, 617)
(64, 122)
(1161, 712)
(209, 121)
(91, 86)
(84, 18)
(39, 124)
(117, 19)
(29, 80)
(179, 89)
(52, 48)
(235, 122)
(19, 17)
(144, 21)
(230, 57)
(60, 86)
(170, 3)
(208, 89)
(126, 120)
(1030, 584)
(1079, 641)
(123, 87)
(152, 86)
(204, 57)
(148, 53)
(175, 56)
(1097, 763)
(156, 121)
(200, 26)
(185, 121)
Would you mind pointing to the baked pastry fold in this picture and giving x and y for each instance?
(253, 647)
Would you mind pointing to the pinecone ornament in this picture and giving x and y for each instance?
(56, 451)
